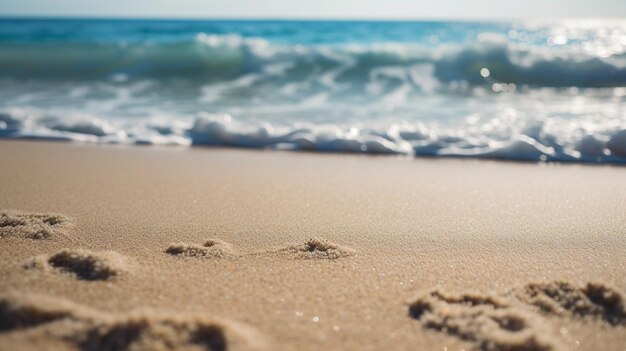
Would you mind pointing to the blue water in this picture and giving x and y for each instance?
(282, 32)
(551, 91)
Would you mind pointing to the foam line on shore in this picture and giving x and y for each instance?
(521, 140)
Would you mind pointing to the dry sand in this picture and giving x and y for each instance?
(130, 248)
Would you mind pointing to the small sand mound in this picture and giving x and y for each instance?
(137, 331)
(489, 323)
(212, 248)
(31, 225)
(594, 300)
(84, 264)
(319, 249)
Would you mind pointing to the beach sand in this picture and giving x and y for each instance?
(132, 248)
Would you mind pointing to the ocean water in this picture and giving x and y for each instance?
(536, 91)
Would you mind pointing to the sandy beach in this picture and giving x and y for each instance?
(131, 248)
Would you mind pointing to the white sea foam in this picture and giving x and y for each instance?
(558, 140)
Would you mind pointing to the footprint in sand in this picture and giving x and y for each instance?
(31, 225)
(489, 323)
(592, 301)
(84, 264)
(317, 249)
(29, 319)
(212, 248)
(515, 320)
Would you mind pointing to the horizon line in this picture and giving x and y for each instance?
(303, 19)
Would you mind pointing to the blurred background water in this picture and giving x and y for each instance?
(545, 91)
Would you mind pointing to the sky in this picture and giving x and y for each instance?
(320, 9)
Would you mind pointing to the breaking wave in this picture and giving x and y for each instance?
(220, 58)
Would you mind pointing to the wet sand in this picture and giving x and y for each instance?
(107, 247)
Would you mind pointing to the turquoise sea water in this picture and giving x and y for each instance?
(529, 91)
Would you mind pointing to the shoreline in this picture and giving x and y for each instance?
(409, 157)
(397, 229)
